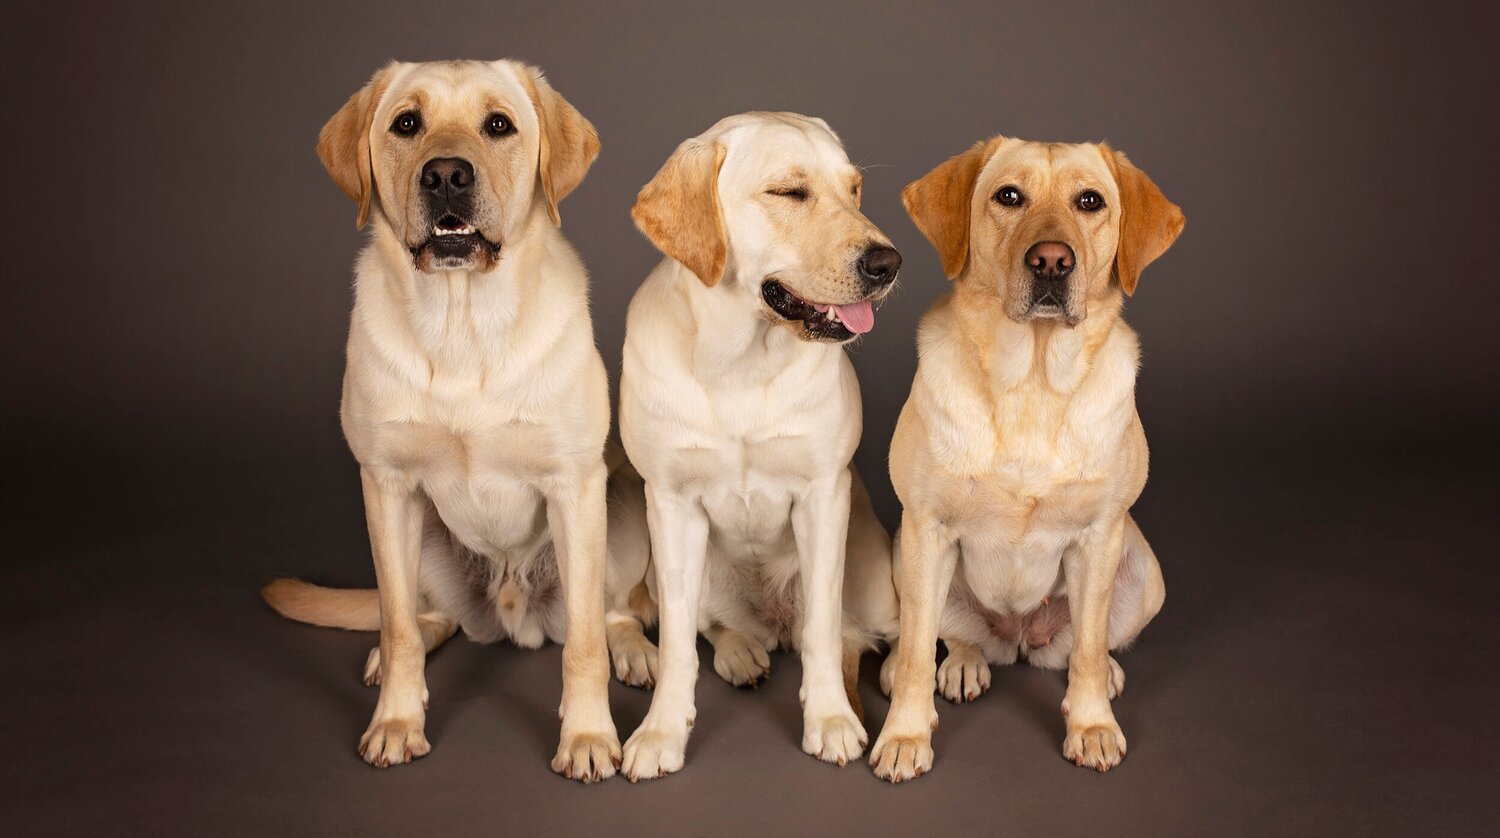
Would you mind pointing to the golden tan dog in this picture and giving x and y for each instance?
(1019, 452)
(474, 398)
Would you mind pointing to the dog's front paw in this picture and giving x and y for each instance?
(588, 757)
(635, 662)
(898, 757)
(1097, 746)
(964, 675)
(655, 751)
(739, 660)
(390, 742)
(838, 739)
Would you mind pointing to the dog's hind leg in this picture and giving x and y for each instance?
(633, 654)
(626, 590)
(964, 674)
(737, 658)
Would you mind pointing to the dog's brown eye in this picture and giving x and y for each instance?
(1009, 196)
(407, 123)
(498, 125)
(1090, 201)
(797, 194)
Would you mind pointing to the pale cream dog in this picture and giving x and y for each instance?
(741, 411)
(1019, 453)
(474, 398)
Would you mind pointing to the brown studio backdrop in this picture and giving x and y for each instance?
(1328, 157)
(1318, 390)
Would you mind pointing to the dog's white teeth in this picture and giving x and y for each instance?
(832, 314)
(457, 231)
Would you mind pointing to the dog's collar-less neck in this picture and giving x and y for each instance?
(1014, 353)
(729, 344)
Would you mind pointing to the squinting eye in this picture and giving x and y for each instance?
(1009, 196)
(794, 194)
(1090, 201)
(498, 125)
(407, 123)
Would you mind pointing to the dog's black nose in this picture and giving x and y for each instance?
(878, 265)
(447, 175)
(1050, 260)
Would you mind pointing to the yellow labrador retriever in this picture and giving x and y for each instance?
(741, 411)
(1019, 453)
(474, 398)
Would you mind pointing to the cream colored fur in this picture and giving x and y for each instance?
(474, 400)
(743, 430)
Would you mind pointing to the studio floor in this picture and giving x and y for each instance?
(1325, 665)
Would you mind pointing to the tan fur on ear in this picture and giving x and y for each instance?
(679, 210)
(569, 142)
(344, 143)
(939, 203)
(1149, 223)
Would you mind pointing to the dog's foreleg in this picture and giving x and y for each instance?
(1094, 738)
(928, 558)
(589, 749)
(393, 511)
(679, 543)
(820, 522)
(435, 626)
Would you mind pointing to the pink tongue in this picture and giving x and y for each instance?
(857, 317)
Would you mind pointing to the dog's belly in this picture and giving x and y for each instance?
(483, 483)
(748, 523)
(1012, 539)
(751, 576)
(1010, 579)
(491, 514)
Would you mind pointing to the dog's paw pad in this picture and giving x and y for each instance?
(741, 662)
(902, 757)
(838, 739)
(1100, 747)
(652, 753)
(393, 742)
(963, 676)
(635, 664)
(588, 757)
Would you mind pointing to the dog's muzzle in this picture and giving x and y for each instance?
(1050, 264)
(452, 242)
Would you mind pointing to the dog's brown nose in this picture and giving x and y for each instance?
(1053, 260)
(447, 175)
(878, 265)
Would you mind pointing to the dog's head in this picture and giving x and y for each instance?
(453, 155)
(765, 206)
(1047, 226)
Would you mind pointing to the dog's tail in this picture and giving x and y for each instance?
(356, 609)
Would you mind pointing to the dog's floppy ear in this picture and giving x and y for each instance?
(1149, 223)
(344, 143)
(569, 142)
(679, 210)
(939, 203)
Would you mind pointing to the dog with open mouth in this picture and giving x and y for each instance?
(741, 412)
(474, 398)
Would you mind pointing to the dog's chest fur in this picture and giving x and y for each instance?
(1030, 442)
(478, 391)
